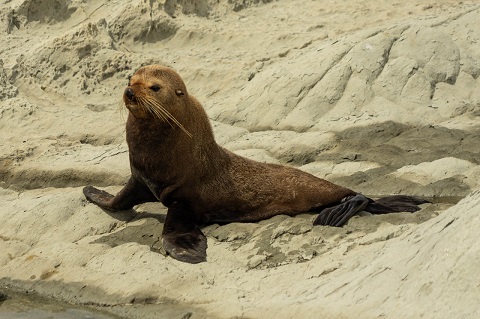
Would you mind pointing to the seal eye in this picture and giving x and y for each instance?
(155, 88)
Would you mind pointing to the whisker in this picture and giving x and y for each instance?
(154, 111)
(160, 114)
(158, 107)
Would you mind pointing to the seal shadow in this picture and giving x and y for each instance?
(148, 232)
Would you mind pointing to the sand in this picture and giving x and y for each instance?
(380, 96)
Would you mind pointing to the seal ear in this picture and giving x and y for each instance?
(179, 92)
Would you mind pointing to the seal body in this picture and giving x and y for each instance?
(174, 159)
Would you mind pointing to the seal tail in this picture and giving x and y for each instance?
(394, 204)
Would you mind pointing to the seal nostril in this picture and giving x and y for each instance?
(129, 93)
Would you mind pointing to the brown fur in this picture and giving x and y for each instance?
(216, 184)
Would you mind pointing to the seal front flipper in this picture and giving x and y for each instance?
(182, 237)
(97, 196)
(338, 215)
(133, 193)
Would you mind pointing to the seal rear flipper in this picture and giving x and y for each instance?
(182, 238)
(338, 215)
(395, 204)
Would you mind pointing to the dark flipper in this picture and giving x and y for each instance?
(182, 237)
(394, 204)
(338, 215)
(97, 196)
(133, 193)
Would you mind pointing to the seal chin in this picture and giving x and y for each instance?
(136, 110)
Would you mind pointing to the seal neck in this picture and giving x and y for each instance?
(172, 155)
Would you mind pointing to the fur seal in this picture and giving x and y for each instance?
(174, 159)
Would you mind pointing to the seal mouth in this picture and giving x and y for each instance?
(142, 105)
(134, 107)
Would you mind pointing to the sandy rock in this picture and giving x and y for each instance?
(426, 173)
(381, 97)
(7, 89)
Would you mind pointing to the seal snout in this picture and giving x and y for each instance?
(129, 94)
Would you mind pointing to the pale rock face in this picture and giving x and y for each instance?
(381, 97)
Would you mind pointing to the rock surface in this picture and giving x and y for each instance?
(380, 96)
